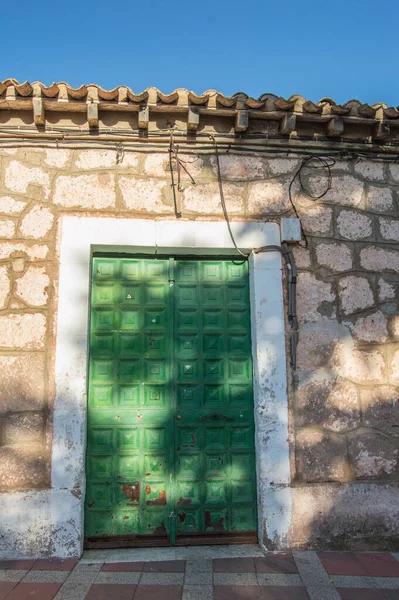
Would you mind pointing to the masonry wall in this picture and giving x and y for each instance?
(344, 393)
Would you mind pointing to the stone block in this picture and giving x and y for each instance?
(354, 225)
(389, 229)
(301, 257)
(18, 177)
(394, 368)
(10, 206)
(144, 195)
(23, 428)
(321, 456)
(96, 159)
(371, 170)
(330, 403)
(85, 191)
(32, 287)
(57, 157)
(373, 455)
(355, 294)
(14, 249)
(316, 219)
(25, 331)
(158, 165)
(394, 172)
(337, 257)
(268, 198)
(380, 407)
(7, 228)
(380, 199)
(386, 291)
(317, 342)
(345, 189)
(359, 366)
(23, 467)
(37, 222)
(379, 259)
(22, 382)
(239, 168)
(282, 166)
(5, 286)
(314, 298)
(373, 328)
(205, 198)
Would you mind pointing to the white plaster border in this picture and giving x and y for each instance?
(63, 504)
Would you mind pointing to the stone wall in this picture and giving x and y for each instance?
(344, 393)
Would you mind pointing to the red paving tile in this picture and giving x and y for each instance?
(233, 565)
(55, 564)
(237, 592)
(5, 588)
(34, 591)
(165, 566)
(342, 563)
(276, 563)
(126, 567)
(111, 591)
(284, 593)
(17, 564)
(158, 592)
(361, 594)
(379, 564)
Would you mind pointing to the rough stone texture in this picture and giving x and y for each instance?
(7, 228)
(18, 178)
(143, 195)
(96, 159)
(5, 286)
(240, 167)
(317, 342)
(312, 296)
(32, 286)
(380, 407)
(394, 368)
(346, 190)
(25, 331)
(22, 382)
(373, 455)
(359, 366)
(394, 172)
(386, 291)
(57, 157)
(355, 293)
(370, 170)
(158, 165)
(301, 257)
(281, 166)
(330, 403)
(35, 252)
(379, 259)
(380, 199)
(336, 257)
(206, 198)
(37, 222)
(10, 206)
(389, 229)
(268, 197)
(22, 466)
(85, 191)
(316, 219)
(373, 328)
(354, 225)
(22, 428)
(321, 456)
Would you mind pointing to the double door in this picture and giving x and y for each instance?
(170, 453)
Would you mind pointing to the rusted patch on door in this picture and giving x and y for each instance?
(160, 501)
(132, 491)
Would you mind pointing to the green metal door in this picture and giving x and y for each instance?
(170, 409)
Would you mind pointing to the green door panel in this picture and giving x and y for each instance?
(170, 407)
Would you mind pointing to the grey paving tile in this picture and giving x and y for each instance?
(161, 578)
(198, 578)
(388, 583)
(234, 579)
(84, 567)
(315, 577)
(279, 579)
(198, 565)
(46, 576)
(117, 577)
(76, 586)
(197, 592)
(12, 575)
(353, 581)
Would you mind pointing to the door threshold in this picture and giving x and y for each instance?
(201, 539)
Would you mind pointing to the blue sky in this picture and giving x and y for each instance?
(343, 49)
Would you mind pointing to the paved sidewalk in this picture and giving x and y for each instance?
(275, 576)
